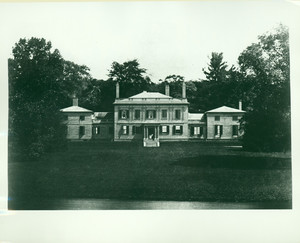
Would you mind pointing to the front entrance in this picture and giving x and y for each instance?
(151, 133)
(151, 136)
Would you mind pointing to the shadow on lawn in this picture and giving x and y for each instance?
(235, 162)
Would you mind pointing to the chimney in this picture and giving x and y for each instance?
(240, 105)
(183, 90)
(117, 90)
(75, 101)
(167, 89)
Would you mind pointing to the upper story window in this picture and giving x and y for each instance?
(123, 114)
(217, 118)
(65, 117)
(82, 118)
(151, 114)
(234, 118)
(137, 114)
(177, 114)
(164, 114)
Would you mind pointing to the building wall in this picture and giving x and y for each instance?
(103, 131)
(74, 123)
(226, 120)
(158, 120)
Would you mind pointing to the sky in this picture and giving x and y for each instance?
(166, 37)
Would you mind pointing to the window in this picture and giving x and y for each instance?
(81, 131)
(164, 114)
(136, 130)
(196, 130)
(217, 118)
(82, 118)
(97, 130)
(137, 114)
(124, 130)
(65, 117)
(234, 118)
(235, 130)
(164, 129)
(151, 114)
(177, 130)
(218, 130)
(123, 114)
(177, 114)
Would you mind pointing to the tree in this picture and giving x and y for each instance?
(216, 68)
(40, 83)
(221, 84)
(265, 65)
(131, 77)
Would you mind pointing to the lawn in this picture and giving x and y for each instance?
(179, 171)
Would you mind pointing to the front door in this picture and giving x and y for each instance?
(151, 133)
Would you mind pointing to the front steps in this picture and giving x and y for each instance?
(151, 143)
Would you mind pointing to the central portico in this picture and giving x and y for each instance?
(151, 136)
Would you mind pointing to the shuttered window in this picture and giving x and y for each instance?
(177, 114)
(151, 114)
(137, 114)
(124, 130)
(234, 130)
(136, 130)
(164, 129)
(218, 130)
(177, 130)
(164, 114)
(81, 131)
(123, 114)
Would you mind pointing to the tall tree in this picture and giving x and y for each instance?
(216, 71)
(40, 83)
(131, 76)
(265, 65)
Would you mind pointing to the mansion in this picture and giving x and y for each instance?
(152, 117)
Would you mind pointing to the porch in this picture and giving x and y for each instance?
(151, 136)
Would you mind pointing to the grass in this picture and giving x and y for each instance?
(179, 171)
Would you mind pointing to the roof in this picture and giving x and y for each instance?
(151, 98)
(225, 109)
(75, 109)
(104, 115)
(150, 95)
(195, 116)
